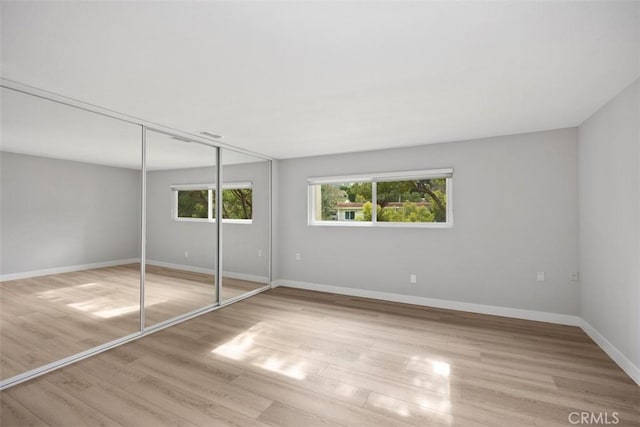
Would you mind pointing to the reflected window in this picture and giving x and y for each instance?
(196, 202)
(237, 203)
(193, 204)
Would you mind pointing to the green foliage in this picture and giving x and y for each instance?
(397, 191)
(367, 212)
(237, 203)
(409, 212)
(331, 195)
(422, 200)
(397, 201)
(358, 192)
(440, 210)
(193, 203)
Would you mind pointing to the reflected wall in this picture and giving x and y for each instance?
(181, 234)
(69, 231)
(245, 223)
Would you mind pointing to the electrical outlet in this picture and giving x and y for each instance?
(259, 252)
(540, 276)
(298, 257)
(413, 279)
(186, 254)
(574, 276)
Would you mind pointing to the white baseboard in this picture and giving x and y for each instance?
(230, 274)
(182, 267)
(66, 269)
(540, 316)
(72, 268)
(612, 351)
(243, 276)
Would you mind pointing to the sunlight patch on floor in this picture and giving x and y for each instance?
(441, 368)
(434, 376)
(106, 308)
(430, 374)
(390, 404)
(244, 347)
(82, 298)
(115, 312)
(428, 412)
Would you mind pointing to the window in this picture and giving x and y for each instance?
(415, 198)
(237, 203)
(341, 200)
(193, 204)
(196, 202)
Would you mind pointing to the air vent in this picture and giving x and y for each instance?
(179, 138)
(211, 134)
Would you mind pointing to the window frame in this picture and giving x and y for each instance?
(175, 188)
(374, 178)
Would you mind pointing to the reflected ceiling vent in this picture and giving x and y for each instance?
(179, 138)
(211, 134)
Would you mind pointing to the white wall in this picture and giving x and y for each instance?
(168, 240)
(609, 224)
(515, 212)
(60, 213)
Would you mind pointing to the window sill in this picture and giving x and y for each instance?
(213, 221)
(367, 224)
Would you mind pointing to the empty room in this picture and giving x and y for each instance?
(319, 213)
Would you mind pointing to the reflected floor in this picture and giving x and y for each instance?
(44, 319)
(170, 292)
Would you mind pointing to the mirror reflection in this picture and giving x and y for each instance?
(180, 227)
(245, 224)
(70, 231)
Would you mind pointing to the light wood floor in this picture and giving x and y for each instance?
(302, 359)
(44, 319)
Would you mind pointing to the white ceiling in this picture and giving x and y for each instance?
(292, 79)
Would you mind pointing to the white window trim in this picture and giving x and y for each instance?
(211, 187)
(446, 173)
(205, 186)
(384, 176)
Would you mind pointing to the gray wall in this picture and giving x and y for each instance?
(60, 213)
(515, 213)
(168, 240)
(609, 222)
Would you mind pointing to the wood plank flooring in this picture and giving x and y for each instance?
(47, 318)
(298, 358)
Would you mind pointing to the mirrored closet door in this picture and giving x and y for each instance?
(70, 231)
(181, 237)
(110, 229)
(245, 224)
